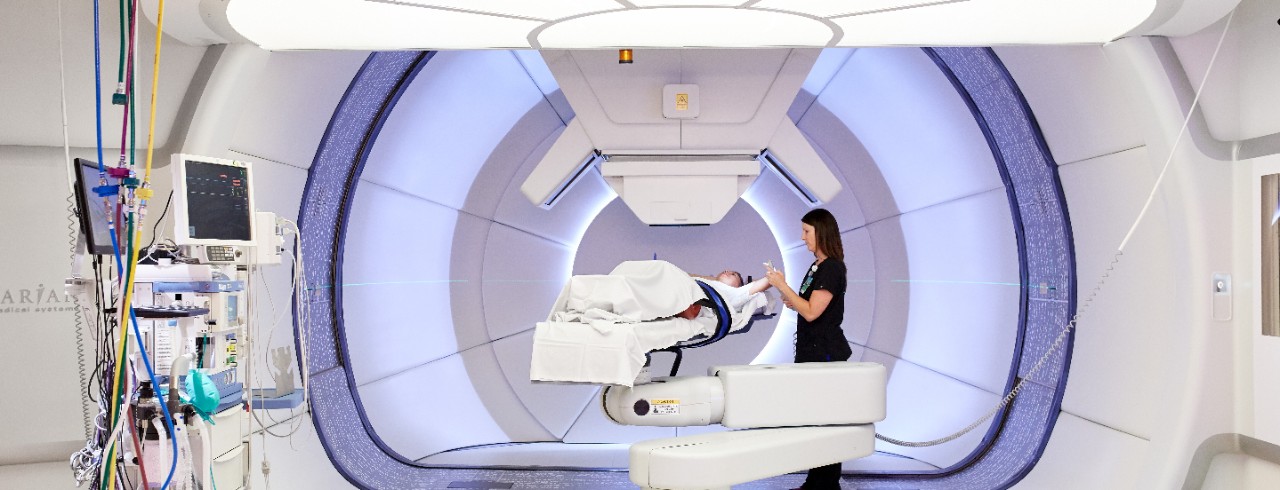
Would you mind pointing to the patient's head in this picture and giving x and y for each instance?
(732, 278)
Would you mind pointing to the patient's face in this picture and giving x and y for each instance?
(729, 278)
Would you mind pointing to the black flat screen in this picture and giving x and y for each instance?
(92, 209)
(218, 202)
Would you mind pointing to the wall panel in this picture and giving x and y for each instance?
(906, 113)
(290, 105)
(1121, 341)
(448, 122)
(964, 290)
(924, 405)
(1099, 458)
(438, 406)
(396, 291)
(1077, 99)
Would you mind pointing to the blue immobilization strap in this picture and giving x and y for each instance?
(724, 319)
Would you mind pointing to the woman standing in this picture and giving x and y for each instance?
(820, 309)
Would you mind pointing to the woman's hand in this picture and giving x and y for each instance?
(775, 276)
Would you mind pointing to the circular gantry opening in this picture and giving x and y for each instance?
(446, 266)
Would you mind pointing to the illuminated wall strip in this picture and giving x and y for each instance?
(1018, 437)
(1010, 449)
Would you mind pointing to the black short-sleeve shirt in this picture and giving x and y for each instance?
(823, 339)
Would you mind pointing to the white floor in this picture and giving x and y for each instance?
(561, 455)
(301, 463)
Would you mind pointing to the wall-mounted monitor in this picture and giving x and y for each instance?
(212, 201)
(93, 210)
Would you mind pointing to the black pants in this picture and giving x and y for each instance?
(823, 477)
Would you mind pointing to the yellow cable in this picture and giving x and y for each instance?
(155, 84)
(143, 193)
(108, 463)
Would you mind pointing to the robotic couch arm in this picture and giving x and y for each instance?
(801, 416)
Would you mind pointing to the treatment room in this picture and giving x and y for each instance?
(668, 244)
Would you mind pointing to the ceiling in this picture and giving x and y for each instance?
(46, 46)
(583, 24)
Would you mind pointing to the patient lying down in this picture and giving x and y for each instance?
(601, 326)
(729, 284)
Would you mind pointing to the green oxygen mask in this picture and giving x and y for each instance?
(202, 393)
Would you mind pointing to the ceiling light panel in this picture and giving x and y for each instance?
(542, 9)
(831, 8)
(686, 27)
(360, 24)
(995, 22)
(686, 3)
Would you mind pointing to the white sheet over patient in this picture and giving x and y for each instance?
(601, 326)
(635, 291)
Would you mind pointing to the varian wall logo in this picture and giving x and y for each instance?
(38, 299)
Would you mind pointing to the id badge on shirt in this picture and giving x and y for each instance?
(808, 279)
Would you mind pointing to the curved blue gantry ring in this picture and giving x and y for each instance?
(1046, 257)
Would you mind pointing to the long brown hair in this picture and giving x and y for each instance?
(828, 232)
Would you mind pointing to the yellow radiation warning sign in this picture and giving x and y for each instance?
(665, 406)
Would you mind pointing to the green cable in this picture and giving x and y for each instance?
(118, 98)
(124, 31)
(119, 391)
(133, 106)
(111, 455)
(133, 123)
